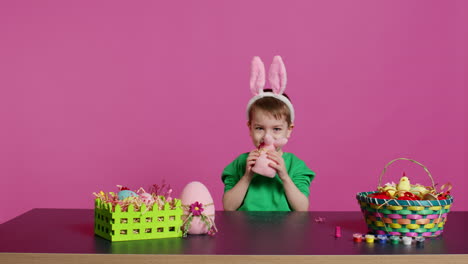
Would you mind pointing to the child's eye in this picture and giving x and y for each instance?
(276, 129)
(258, 128)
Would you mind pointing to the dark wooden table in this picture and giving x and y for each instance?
(66, 235)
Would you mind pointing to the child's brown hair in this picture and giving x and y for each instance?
(275, 107)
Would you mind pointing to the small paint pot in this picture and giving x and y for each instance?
(382, 239)
(420, 240)
(407, 240)
(357, 237)
(370, 238)
(394, 240)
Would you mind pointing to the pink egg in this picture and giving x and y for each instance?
(197, 192)
(147, 198)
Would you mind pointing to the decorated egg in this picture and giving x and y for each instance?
(198, 204)
(126, 193)
(147, 198)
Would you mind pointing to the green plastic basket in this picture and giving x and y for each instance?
(133, 224)
(425, 218)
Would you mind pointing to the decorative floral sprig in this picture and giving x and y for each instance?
(444, 191)
(196, 210)
(162, 190)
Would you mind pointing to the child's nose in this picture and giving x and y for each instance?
(268, 137)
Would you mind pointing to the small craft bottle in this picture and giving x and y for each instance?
(337, 231)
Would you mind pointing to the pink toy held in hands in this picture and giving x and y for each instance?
(261, 165)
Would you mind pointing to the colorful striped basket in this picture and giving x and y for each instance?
(424, 218)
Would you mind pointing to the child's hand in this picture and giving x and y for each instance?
(251, 159)
(278, 164)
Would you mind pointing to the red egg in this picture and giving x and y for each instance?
(379, 196)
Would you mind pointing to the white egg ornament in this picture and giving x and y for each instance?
(197, 201)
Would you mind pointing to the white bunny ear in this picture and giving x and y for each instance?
(257, 76)
(277, 75)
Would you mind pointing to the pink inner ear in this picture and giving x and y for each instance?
(277, 75)
(257, 76)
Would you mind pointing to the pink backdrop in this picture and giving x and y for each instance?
(135, 92)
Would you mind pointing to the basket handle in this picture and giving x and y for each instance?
(388, 164)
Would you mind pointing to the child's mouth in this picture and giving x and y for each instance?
(261, 145)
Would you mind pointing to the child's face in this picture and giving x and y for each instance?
(263, 123)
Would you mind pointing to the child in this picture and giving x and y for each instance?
(269, 112)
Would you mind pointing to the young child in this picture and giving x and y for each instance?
(269, 112)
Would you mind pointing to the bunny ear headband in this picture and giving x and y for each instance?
(277, 79)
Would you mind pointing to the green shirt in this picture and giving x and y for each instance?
(264, 193)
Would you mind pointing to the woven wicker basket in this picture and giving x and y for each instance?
(404, 217)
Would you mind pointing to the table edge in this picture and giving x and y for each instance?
(54, 258)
